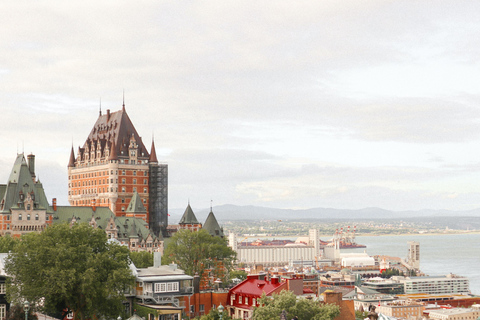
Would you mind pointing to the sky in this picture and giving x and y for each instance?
(284, 104)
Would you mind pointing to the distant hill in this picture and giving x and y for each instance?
(232, 212)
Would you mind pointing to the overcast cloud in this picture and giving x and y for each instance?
(289, 104)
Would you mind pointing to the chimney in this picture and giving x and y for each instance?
(274, 280)
(31, 164)
(108, 114)
(54, 204)
(196, 283)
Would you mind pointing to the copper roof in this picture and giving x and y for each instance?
(115, 128)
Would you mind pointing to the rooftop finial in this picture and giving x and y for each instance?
(100, 106)
(123, 105)
(211, 205)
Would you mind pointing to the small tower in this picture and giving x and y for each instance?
(189, 220)
(212, 226)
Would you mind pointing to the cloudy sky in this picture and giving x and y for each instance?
(287, 104)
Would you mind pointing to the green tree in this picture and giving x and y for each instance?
(239, 274)
(72, 268)
(197, 251)
(305, 309)
(7, 243)
(215, 315)
(142, 259)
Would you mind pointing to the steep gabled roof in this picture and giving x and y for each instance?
(212, 226)
(21, 182)
(188, 217)
(117, 128)
(136, 204)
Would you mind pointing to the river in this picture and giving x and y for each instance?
(439, 254)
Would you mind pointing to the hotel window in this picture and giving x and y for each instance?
(134, 181)
(145, 181)
(134, 172)
(123, 180)
(144, 190)
(123, 172)
(20, 216)
(202, 308)
(123, 189)
(36, 217)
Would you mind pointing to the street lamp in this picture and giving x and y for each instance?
(220, 310)
(26, 307)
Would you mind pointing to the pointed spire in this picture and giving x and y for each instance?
(71, 162)
(153, 154)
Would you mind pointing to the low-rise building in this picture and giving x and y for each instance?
(400, 309)
(164, 289)
(455, 314)
(243, 297)
(449, 284)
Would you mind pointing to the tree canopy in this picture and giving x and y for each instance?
(142, 259)
(271, 307)
(198, 251)
(70, 267)
(7, 243)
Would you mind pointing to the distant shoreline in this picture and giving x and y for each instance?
(324, 236)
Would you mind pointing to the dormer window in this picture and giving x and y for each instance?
(22, 196)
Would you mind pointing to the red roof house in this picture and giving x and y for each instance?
(243, 297)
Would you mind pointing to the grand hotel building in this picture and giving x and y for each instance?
(113, 167)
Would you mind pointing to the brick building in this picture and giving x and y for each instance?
(113, 167)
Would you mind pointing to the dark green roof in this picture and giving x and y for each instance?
(188, 217)
(20, 182)
(102, 216)
(136, 204)
(212, 226)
